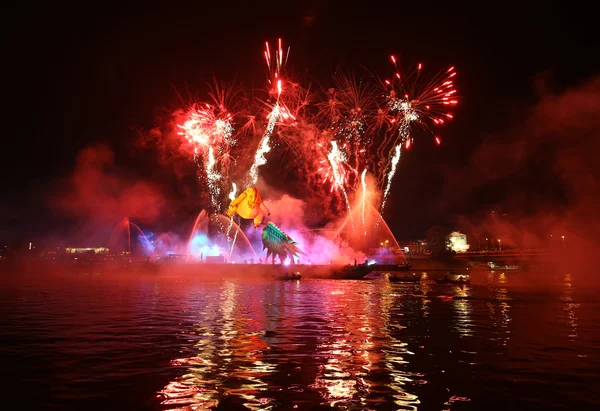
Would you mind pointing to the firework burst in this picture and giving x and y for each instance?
(210, 134)
(334, 166)
(337, 159)
(354, 125)
(414, 101)
(278, 112)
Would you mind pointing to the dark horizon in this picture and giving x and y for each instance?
(520, 142)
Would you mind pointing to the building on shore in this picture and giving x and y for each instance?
(86, 250)
(416, 247)
(458, 242)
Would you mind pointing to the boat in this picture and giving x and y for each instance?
(376, 275)
(404, 278)
(454, 278)
(288, 276)
(361, 271)
(494, 267)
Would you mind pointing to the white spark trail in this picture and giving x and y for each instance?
(263, 147)
(395, 159)
(364, 197)
(334, 157)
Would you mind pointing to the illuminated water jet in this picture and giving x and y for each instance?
(201, 227)
(125, 225)
(376, 233)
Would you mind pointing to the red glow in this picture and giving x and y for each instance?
(438, 141)
(280, 54)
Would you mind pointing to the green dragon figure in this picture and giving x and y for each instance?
(278, 243)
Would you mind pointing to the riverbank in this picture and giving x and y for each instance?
(426, 264)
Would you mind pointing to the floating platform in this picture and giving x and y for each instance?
(221, 270)
(349, 272)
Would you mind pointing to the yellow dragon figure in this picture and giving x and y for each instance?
(249, 205)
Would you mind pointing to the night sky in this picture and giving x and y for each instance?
(74, 80)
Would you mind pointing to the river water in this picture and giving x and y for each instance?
(167, 341)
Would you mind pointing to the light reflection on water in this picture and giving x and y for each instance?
(499, 310)
(462, 307)
(180, 342)
(570, 308)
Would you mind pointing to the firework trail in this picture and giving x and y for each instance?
(275, 115)
(335, 166)
(230, 225)
(344, 117)
(364, 198)
(211, 136)
(263, 146)
(336, 157)
(358, 102)
(390, 176)
(414, 101)
(352, 126)
(213, 178)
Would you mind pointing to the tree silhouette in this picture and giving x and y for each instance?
(438, 243)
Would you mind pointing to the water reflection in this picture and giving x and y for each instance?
(346, 350)
(228, 357)
(115, 342)
(396, 352)
(462, 309)
(569, 315)
(425, 289)
(365, 362)
(499, 310)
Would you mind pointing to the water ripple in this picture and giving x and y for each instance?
(179, 342)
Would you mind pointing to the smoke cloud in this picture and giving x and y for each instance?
(318, 244)
(540, 181)
(98, 194)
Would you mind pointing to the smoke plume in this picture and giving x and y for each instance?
(539, 182)
(98, 194)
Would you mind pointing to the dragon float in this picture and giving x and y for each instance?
(250, 206)
(278, 243)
